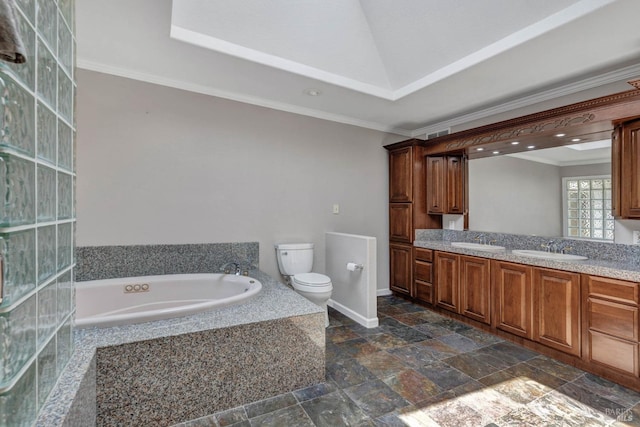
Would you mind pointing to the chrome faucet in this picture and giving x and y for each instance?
(550, 246)
(482, 238)
(236, 268)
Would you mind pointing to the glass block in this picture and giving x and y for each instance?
(598, 234)
(46, 253)
(65, 296)
(597, 194)
(18, 406)
(609, 224)
(28, 7)
(608, 215)
(65, 196)
(47, 75)
(597, 223)
(47, 22)
(572, 214)
(17, 189)
(597, 214)
(585, 194)
(585, 204)
(66, 7)
(65, 46)
(597, 184)
(47, 316)
(18, 344)
(573, 223)
(608, 205)
(584, 184)
(64, 245)
(585, 214)
(607, 194)
(572, 194)
(609, 235)
(65, 345)
(65, 146)
(597, 204)
(19, 250)
(46, 134)
(25, 72)
(46, 371)
(65, 96)
(572, 185)
(17, 121)
(607, 183)
(573, 232)
(585, 232)
(46, 194)
(572, 204)
(585, 223)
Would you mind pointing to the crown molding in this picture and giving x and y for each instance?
(615, 76)
(260, 102)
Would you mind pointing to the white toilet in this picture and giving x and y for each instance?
(295, 261)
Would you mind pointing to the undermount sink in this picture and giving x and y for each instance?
(478, 246)
(548, 255)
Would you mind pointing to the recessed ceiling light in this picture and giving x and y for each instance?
(531, 147)
(515, 143)
(560, 135)
(313, 92)
(575, 140)
(496, 152)
(479, 149)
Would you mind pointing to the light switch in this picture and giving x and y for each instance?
(336, 209)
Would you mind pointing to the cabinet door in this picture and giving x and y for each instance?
(401, 263)
(455, 185)
(400, 221)
(400, 175)
(446, 281)
(475, 288)
(557, 309)
(436, 185)
(512, 298)
(629, 184)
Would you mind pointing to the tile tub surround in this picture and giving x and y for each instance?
(271, 308)
(108, 262)
(605, 259)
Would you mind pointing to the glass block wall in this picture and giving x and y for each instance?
(37, 212)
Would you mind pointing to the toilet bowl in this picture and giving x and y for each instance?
(294, 262)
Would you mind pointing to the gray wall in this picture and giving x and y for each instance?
(163, 166)
(511, 195)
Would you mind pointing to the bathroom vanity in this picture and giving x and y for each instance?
(585, 312)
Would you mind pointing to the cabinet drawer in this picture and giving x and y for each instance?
(424, 254)
(424, 292)
(612, 289)
(614, 319)
(423, 271)
(613, 352)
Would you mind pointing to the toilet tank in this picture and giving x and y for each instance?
(294, 258)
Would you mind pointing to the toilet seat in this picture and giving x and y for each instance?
(312, 282)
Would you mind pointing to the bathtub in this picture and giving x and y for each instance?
(113, 302)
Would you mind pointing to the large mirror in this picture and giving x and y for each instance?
(522, 193)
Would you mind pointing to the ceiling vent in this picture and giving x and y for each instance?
(439, 133)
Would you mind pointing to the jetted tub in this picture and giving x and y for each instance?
(113, 302)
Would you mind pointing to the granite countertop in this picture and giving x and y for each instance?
(275, 301)
(612, 269)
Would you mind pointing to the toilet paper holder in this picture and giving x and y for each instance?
(352, 266)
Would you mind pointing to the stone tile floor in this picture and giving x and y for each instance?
(422, 369)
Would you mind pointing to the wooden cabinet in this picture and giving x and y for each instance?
(625, 169)
(400, 222)
(611, 323)
(401, 258)
(446, 184)
(513, 299)
(475, 288)
(423, 275)
(401, 175)
(557, 309)
(462, 285)
(446, 281)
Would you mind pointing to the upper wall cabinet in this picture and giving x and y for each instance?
(626, 169)
(401, 175)
(446, 184)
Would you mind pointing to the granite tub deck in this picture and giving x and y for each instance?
(174, 370)
(623, 270)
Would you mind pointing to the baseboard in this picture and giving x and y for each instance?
(368, 323)
(383, 292)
